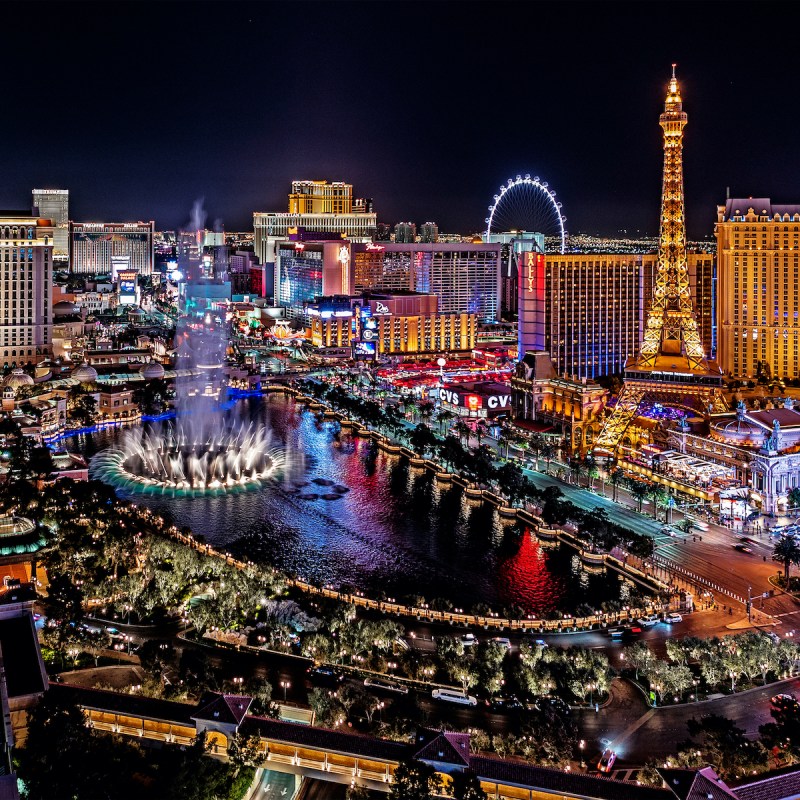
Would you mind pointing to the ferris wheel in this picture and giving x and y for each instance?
(528, 204)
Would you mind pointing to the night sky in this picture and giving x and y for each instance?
(139, 108)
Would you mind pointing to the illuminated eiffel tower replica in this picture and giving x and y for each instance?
(671, 368)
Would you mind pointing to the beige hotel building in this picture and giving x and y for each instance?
(758, 256)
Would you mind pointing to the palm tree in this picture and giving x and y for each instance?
(480, 431)
(426, 409)
(548, 451)
(577, 468)
(536, 445)
(793, 497)
(443, 417)
(591, 470)
(506, 437)
(615, 478)
(461, 429)
(687, 525)
(640, 490)
(657, 492)
(786, 552)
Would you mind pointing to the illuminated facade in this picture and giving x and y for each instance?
(395, 325)
(316, 207)
(596, 303)
(465, 277)
(595, 311)
(310, 270)
(321, 197)
(53, 204)
(571, 408)
(103, 248)
(671, 368)
(26, 300)
(758, 256)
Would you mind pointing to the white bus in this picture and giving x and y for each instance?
(451, 696)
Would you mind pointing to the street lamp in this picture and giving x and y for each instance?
(285, 685)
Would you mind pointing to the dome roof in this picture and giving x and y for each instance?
(737, 430)
(152, 371)
(85, 373)
(18, 378)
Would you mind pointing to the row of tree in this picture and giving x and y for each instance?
(712, 664)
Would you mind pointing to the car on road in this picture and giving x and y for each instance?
(504, 704)
(672, 618)
(451, 696)
(743, 548)
(607, 760)
(782, 698)
(541, 643)
(556, 703)
(624, 632)
(388, 686)
(502, 641)
(745, 540)
(325, 676)
(648, 621)
(468, 640)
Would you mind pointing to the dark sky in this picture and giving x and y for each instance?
(139, 108)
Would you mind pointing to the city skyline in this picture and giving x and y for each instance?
(226, 109)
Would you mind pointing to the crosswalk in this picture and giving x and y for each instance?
(625, 775)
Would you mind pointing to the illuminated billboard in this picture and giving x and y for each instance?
(127, 287)
(364, 350)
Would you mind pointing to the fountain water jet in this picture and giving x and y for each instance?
(206, 449)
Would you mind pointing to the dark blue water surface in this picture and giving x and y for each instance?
(394, 532)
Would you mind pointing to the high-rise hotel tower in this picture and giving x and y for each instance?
(26, 280)
(758, 268)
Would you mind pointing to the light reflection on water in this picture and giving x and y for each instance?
(396, 531)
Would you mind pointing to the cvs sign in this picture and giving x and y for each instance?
(449, 396)
(499, 401)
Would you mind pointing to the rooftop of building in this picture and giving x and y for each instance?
(17, 213)
(760, 206)
(433, 745)
(135, 705)
(20, 653)
(773, 786)
(443, 746)
(676, 363)
(785, 417)
(571, 784)
(691, 784)
(229, 709)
